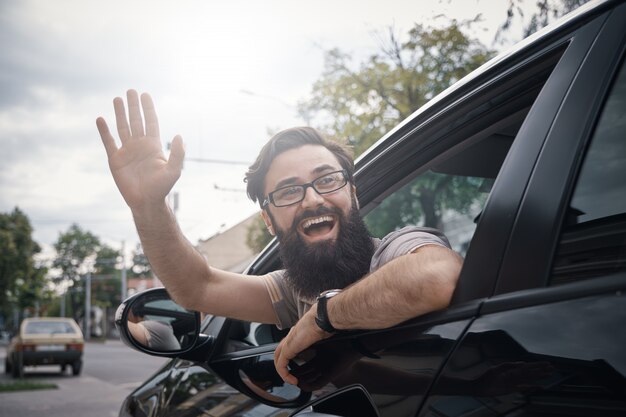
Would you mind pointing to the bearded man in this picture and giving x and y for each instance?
(336, 276)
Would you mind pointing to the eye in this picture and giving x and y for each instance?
(288, 192)
(328, 181)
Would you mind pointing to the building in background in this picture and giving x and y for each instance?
(228, 250)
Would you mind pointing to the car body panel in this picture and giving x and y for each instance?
(564, 357)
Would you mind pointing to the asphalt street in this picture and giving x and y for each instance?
(110, 372)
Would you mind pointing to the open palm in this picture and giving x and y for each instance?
(141, 171)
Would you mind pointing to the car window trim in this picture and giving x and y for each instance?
(613, 284)
(536, 237)
(464, 311)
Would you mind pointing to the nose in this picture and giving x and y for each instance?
(312, 198)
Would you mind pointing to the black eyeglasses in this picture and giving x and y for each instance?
(292, 194)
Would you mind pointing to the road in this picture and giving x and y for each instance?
(110, 372)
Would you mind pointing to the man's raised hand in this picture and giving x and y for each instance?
(141, 171)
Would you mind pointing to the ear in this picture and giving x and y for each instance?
(268, 222)
(358, 207)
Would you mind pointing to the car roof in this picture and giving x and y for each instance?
(49, 319)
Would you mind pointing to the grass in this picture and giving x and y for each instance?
(22, 385)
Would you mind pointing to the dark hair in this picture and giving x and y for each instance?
(284, 141)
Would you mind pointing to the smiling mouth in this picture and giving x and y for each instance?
(318, 226)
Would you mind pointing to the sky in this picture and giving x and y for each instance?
(221, 73)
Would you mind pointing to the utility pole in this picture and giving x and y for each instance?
(124, 284)
(63, 302)
(87, 318)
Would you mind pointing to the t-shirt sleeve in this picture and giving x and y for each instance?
(284, 304)
(404, 241)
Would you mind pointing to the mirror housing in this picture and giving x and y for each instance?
(151, 322)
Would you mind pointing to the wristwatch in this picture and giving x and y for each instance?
(322, 313)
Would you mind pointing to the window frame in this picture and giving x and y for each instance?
(536, 232)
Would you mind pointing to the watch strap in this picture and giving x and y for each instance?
(321, 319)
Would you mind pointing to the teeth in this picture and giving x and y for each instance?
(317, 220)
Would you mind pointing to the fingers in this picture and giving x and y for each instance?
(177, 154)
(105, 135)
(152, 123)
(134, 114)
(120, 118)
(281, 361)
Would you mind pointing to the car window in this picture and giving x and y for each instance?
(449, 192)
(49, 327)
(448, 189)
(243, 335)
(593, 240)
(450, 203)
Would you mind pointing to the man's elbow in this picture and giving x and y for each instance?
(447, 276)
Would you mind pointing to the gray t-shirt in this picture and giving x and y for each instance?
(289, 307)
(160, 336)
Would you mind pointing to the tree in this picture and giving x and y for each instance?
(141, 266)
(361, 103)
(547, 11)
(107, 260)
(74, 248)
(106, 279)
(22, 282)
(257, 236)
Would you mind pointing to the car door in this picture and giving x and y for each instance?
(554, 329)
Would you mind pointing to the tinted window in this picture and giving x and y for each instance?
(49, 327)
(593, 242)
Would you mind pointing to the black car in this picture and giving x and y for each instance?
(523, 165)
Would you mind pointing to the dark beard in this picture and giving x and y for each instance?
(314, 268)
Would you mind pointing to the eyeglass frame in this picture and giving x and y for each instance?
(270, 196)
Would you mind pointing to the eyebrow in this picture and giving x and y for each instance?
(294, 180)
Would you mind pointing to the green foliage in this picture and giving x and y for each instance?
(547, 12)
(141, 266)
(106, 280)
(363, 103)
(22, 282)
(107, 259)
(257, 236)
(73, 248)
(424, 201)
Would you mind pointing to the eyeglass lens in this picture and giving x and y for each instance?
(295, 193)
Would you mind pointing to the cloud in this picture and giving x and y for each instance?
(64, 61)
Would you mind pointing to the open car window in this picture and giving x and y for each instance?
(449, 190)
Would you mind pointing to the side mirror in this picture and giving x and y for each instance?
(151, 322)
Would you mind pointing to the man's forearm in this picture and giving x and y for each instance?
(404, 288)
(180, 267)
